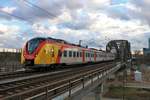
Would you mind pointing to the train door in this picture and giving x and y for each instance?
(94, 56)
(52, 54)
(59, 54)
(90, 56)
(83, 56)
(56, 54)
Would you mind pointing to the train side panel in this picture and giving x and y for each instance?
(71, 56)
(49, 54)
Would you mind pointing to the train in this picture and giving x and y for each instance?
(42, 52)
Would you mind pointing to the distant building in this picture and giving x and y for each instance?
(146, 51)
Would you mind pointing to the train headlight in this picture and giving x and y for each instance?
(52, 52)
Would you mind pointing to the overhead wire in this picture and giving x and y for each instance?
(15, 16)
(42, 9)
(29, 3)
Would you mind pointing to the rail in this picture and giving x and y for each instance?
(66, 85)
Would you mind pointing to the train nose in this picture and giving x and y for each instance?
(29, 62)
(29, 57)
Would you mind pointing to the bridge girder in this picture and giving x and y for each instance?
(121, 48)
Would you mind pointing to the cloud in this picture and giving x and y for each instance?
(38, 28)
(95, 22)
(143, 13)
(97, 4)
(111, 29)
(8, 36)
(64, 17)
(6, 29)
(101, 29)
(48, 9)
(133, 9)
(9, 10)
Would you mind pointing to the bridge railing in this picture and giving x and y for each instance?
(7, 67)
(9, 59)
(13, 50)
(67, 86)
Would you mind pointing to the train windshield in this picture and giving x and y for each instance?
(33, 44)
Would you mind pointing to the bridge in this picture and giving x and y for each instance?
(140, 85)
(121, 48)
(69, 83)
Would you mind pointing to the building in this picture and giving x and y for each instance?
(146, 51)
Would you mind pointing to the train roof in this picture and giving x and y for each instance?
(64, 42)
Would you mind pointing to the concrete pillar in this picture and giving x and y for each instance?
(98, 92)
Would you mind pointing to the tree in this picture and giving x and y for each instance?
(137, 53)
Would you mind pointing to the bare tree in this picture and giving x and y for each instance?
(137, 53)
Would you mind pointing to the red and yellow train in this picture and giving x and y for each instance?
(40, 52)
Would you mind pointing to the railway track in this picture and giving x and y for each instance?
(8, 89)
(15, 74)
(25, 73)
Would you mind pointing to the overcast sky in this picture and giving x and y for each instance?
(95, 22)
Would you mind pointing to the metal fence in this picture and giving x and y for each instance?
(10, 67)
(14, 50)
(9, 60)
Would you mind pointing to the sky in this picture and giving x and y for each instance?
(95, 22)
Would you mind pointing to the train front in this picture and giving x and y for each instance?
(31, 50)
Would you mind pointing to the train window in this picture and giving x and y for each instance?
(65, 53)
(80, 54)
(74, 54)
(88, 54)
(77, 54)
(70, 53)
